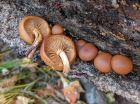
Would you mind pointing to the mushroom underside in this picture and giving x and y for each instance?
(61, 51)
(32, 29)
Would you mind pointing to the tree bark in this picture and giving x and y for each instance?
(112, 26)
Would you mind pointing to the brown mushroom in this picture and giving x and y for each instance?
(102, 62)
(79, 44)
(57, 30)
(58, 51)
(33, 29)
(88, 52)
(121, 64)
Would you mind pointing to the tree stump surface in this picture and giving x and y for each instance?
(116, 31)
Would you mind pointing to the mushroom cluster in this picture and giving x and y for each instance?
(104, 62)
(56, 49)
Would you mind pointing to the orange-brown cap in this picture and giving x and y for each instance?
(88, 52)
(79, 44)
(103, 62)
(121, 64)
(56, 50)
(27, 26)
(57, 30)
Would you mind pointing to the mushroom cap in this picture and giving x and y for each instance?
(79, 44)
(57, 29)
(121, 64)
(71, 93)
(103, 62)
(54, 44)
(28, 24)
(88, 52)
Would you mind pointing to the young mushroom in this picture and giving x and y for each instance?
(57, 30)
(121, 64)
(103, 62)
(79, 44)
(32, 30)
(71, 89)
(88, 52)
(58, 51)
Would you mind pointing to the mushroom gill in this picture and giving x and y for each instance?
(58, 51)
(32, 30)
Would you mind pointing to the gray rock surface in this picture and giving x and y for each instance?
(126, 86)
(94, 21)
(92, 95)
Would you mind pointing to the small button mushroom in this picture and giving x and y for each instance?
(121, 64)
(32, 30)
(57, 30)
(58, 51)
(79, 44)
(71, 93)
(102, 62)
(88, 52)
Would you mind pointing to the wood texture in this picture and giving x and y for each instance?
(116, 31)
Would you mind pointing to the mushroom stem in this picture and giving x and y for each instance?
(30, 55)
(38, 39)
(65, 61)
